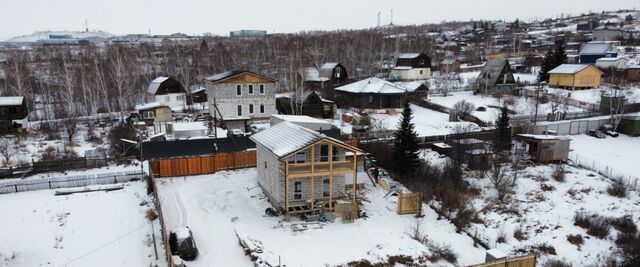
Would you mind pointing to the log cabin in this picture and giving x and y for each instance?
(13, 113)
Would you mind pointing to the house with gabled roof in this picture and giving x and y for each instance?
(496, 77)
(411, 67)
(592, 51)
(575, 76)
(373, 94)
(237, 97)
(301, 170)
(167, 91)
(324, 79)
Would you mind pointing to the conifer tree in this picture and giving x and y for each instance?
(503, 131)
(405, 149)
(559, 56)
(547, 65)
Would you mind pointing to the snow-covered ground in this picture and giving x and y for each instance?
(233, 202)
(80, 229)
(32, 146)
(427, 122)
(543, 209)
(613, 156)
(521, 105)
(593, 95)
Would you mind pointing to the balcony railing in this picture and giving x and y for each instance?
(320, 167)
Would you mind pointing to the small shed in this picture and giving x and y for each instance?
(479, 159)
(630, 124)
(186, 130)
(575, 76)
(546, 148)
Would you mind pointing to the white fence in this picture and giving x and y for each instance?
(603, 169)
(16, 186)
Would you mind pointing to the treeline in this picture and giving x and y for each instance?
(83, 80)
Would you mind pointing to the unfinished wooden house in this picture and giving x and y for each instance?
(301, 170)
(546, 148)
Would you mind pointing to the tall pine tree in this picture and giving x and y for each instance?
(559, 56)
(503, 131)
(547, 65)
(405, 149)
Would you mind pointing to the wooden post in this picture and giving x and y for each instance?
(330, 176)
(355, 177)
(286, 185)
(313, 163)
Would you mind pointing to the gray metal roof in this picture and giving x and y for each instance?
(286, 137)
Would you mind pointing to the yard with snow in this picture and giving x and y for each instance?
(520, 105)
(220, 207)
(612, 156)
(427, 122)
(593, 95)
(81, 229)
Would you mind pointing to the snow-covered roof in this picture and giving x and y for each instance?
(596, 48)
(11, 100)
(300, 118)
(412, 85)
(403, 68)
(188, 126)
(312, 74)
(610, 59)
(149, 105)
(545, 137)
(496, 253)
(286, 137)
(409, 55)
(568, 68)
(373, 85)
(155, 84)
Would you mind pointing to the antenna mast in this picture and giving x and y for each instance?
(391, 23)
(378, 18)
(86, 25)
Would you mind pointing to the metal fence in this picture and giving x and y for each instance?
(69, 181)
(564, 127)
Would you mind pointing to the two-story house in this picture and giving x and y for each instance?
(301, 170)
(167, 91)
(411, 67)
(237, 97)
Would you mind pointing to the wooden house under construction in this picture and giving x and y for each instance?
(302, 171)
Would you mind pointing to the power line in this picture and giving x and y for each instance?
(105, 245)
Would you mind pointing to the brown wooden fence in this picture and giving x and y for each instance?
(521, 261)
(202, 164)
(409, 203)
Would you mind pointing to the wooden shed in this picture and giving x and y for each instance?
(546, 148)
(575, 76)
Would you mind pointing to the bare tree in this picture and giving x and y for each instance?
(464, 107)
(501, 182)
(7, 150)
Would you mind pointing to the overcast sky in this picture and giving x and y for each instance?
(19, 17)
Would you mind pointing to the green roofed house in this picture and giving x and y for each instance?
(630, 124)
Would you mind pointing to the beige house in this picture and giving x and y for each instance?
(575, 76)
(302, 171)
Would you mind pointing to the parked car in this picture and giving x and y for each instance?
(596, 133)
(235, 132)
(608, 129)
(182, 243)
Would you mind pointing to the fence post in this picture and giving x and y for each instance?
(50, 185)
(16, 187)
(115, 179)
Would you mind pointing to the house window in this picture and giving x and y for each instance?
(250, 89)
(370, 99)
(327, 107)
(297, 190)
(265, 165)
(326, 188)
(239, 110)
(180, 97)
(261, 108)
(324, 153)
(300, 157)
(167, 98)
(334, 153)
(250, 108)
(262, 89)
(148, 115)
(239, 89)
(421, 71)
